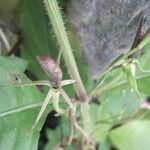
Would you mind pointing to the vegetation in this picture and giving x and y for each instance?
(111, 113)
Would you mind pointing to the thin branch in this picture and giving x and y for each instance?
(72, 116)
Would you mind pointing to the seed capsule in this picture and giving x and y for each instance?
(51, 69)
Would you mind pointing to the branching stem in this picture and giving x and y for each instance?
(61, 35)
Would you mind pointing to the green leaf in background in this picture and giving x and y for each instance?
(36, 34)
(119, 104)
(144, 82)
(54, 136)
(61, 133)
(19, 108)
(116, 106)
(132, 136)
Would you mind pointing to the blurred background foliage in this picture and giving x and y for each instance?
(120, 120)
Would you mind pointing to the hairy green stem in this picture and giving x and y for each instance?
(61, 35)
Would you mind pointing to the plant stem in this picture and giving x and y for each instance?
(61, 35)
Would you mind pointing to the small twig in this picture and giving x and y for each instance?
(71, 126)
(78, 127)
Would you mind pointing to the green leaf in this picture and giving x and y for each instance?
(101, 132)
(60, 134)
(132, 136)
(120, 103)
(19, 108)
(117, 107)
(38, 40)
(54, 137)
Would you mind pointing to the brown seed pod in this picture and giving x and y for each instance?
(51, 69)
